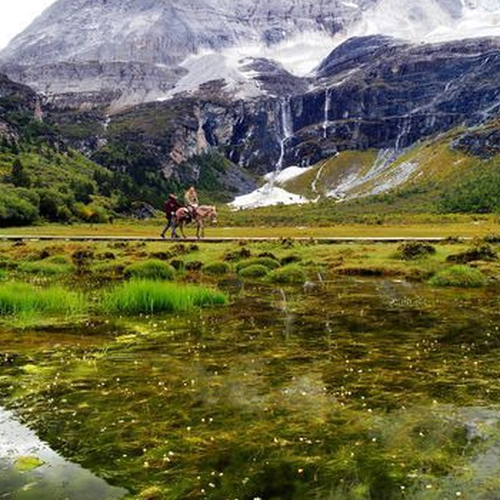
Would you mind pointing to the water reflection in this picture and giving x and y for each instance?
(50, 476)
(375, 390)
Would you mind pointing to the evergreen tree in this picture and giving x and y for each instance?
(18, 176)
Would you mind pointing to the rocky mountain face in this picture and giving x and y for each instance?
(371, 92)
(20, 106)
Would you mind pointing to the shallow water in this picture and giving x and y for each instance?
(363, 389)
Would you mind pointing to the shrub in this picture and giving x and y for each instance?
(254, 271)
(194, 265)
(244, 253)
(479, 252)
(413, 250)
(46, 268)
(459, 276)
(290, 259)
(21, 299)
(267, 262)
(82, 258)
(288, 275)
(217, 268)
(15, 210)
(151, 270)
(148, 297)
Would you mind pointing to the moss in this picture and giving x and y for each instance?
(150, 269)
(459, 276)
(292, 274)
(29, 463)
(254, 271)
(217, 268)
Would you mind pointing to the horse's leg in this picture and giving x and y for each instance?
(174, 226)
(182, 224)
(202, 228)
(198, 227)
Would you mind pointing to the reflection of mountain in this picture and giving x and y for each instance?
(62, 478)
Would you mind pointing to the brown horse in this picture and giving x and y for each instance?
(197, 214)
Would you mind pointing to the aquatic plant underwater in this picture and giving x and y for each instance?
(367, 389)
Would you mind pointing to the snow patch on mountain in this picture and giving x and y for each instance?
(430, 20)
(270, 194)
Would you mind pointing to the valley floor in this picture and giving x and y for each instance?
(428, 227)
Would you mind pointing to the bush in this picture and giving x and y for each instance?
(20, 299)
(254, 271)
(288, 275)
(217, 268)
(149, 297)
(94, 214)
(15, 210)
(194, 265)
(459, 276)
(244, 253)
(267, 262)
(479, 252)
(151, 270)
(413, 250)
(54, 206)
(290, 259)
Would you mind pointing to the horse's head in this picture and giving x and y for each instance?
(213, 215)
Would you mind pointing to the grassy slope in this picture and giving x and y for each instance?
(438, 166)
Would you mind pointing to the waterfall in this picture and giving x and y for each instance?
(404, 130)
(327, 112)
(286, 134)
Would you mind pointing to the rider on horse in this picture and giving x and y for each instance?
(191, 200)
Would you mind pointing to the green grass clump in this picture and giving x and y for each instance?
(150, 270)
(217, 268)
(18, 299)
(255, 271)
(289, 275)
(459, 276)
(267, 262)
(148, 297)
(46, 268)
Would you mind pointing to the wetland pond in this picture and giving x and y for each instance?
(357, 389)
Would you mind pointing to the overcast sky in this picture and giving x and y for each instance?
(15, 15)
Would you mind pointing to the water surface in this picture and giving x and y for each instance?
(358, 389)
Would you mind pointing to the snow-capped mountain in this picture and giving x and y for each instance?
(143, 50)
(268, 84)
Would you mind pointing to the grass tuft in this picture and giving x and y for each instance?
(289, 275)
(46, 268)
(19, 299)
(267, 262)
(148, 297)
(217, 268)
(150, 270)
(255, 271)
(459, 276)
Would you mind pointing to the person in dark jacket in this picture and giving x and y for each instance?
(171, 207)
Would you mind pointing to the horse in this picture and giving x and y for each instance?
(198, 214)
